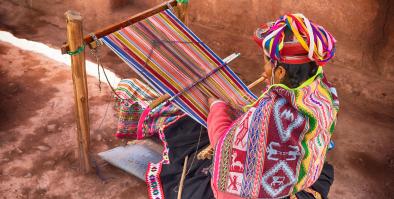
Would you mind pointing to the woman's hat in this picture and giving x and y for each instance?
(293, 39)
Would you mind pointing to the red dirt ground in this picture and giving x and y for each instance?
(38, 139)
(37, 129)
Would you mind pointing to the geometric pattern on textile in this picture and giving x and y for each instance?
(287, 140)
(285, 133)
(131, 98)
(312, 107)
(133, 90)
(171, 58)
(156, 121)
(277, 185)
(152, 178)
(253, 145)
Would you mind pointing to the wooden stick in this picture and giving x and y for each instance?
(182, 12)
(183, 176)
(167, 96)
(256, 82)
(159, 100)
(74, 37)
(117, 26)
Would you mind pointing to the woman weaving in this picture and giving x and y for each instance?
(277, 148)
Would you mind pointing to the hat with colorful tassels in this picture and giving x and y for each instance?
(307, 42)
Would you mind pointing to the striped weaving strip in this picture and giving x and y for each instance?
(170, 57)
(131, 98)
(133, 90)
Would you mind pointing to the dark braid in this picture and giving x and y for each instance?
(296, 74)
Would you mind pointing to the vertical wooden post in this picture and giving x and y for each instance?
(75, 41)
(182, 11)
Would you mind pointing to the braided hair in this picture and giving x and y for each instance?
(296, 74)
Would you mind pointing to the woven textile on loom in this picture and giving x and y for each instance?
(170, 57)
(135, 119)
(132, 97)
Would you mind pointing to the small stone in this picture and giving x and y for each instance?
(28, 175)
(66, 154)
(99, 137)
(49, 163)
(18, 150)
(13, 88)
(43, 148)
(51, 127)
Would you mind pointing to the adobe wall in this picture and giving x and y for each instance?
(362, 28)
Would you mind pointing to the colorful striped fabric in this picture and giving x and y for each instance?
(132, 97)
(133, 90)
(170, 57)
(135, 119)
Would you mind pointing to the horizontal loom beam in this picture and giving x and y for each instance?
(117, 26)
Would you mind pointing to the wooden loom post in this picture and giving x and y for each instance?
(182, 10)
(76, 44)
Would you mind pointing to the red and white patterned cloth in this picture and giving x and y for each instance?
(278, 147)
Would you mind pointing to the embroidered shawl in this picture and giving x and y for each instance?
(278, 146)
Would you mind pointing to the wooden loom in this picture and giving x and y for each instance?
(75, 45)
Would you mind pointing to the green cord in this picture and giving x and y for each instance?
(79, 50)
(306, 83)
(182, 1)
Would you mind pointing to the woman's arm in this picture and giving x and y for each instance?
(218, 119)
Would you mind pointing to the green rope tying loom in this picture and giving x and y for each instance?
(182, 1)
(79, 50)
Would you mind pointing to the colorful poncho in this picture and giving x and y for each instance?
(279, 145)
